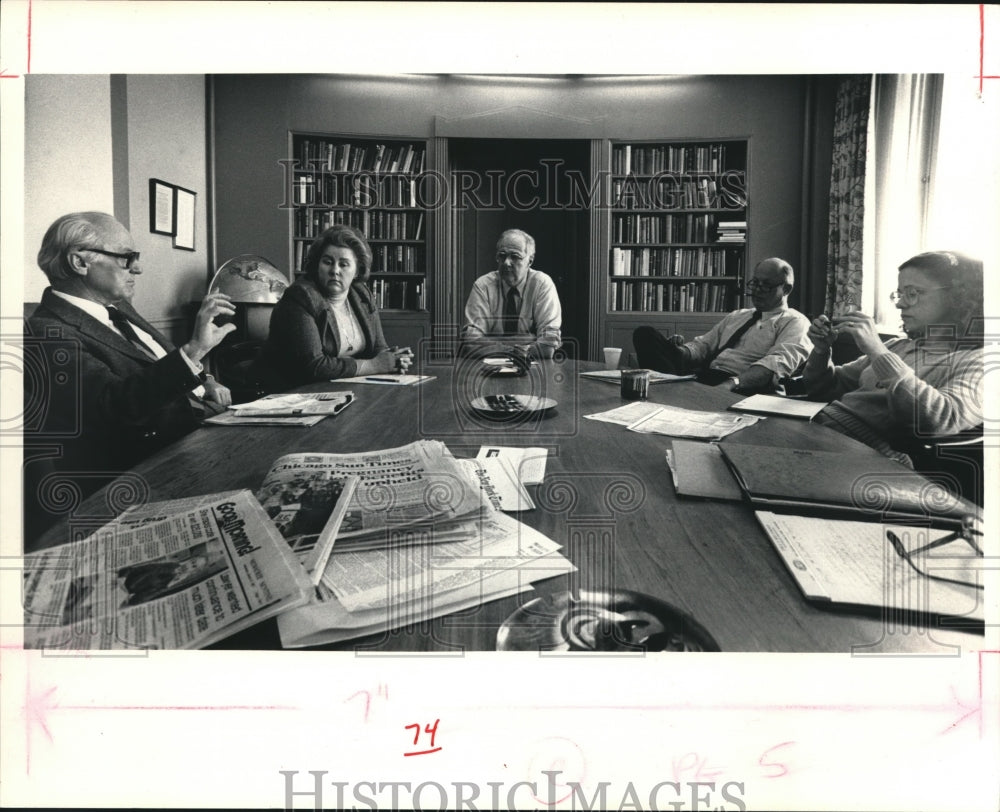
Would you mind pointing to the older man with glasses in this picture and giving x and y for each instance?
(750, 349)
(515, 305)
(107, 387)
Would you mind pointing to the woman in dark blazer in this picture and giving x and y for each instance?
(326, 324)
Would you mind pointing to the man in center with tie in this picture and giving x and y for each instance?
(750, 349)
(515, 304)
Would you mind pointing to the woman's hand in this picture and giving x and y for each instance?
(393, 360)
(862, 329)
(822, 334)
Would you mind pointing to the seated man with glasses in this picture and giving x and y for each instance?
(109, 388)
(750, 350)
(515, 305)
(929, 383)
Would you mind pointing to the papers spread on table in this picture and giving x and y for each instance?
(615, 376)
(855, 484)
(168, 575)
(699, 469)
(786, 407)
(307, 504)
(882, 565)
(294, 409)
(529, 463)
(655, 418)
(388, 379)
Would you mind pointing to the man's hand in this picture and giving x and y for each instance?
(862, 329)
(217, 393)
(676, 340)
(822, 333)
(207, 334)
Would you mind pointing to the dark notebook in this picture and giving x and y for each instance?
(856, 485)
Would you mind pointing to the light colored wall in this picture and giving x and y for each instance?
(166, 140)
(67, 158)
(93, 143)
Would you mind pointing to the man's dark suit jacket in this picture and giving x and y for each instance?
(95, 405)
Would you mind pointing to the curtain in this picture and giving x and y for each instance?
(847, 195)
(906, 114)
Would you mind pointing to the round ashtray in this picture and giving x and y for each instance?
(505, 406)
(617, 620)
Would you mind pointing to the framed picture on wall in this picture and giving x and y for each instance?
(184, 200)
(161, 207)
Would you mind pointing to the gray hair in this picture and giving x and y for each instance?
(529, 241)
(76, 230)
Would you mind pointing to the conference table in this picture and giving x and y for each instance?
(607, 499)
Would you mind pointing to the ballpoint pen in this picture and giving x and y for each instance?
(384, 380)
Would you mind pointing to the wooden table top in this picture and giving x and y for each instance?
(607, 499)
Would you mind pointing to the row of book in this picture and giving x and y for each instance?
(399, 294)
(648, 160)
(385, 258)
(397, 259)
(678, 297)
(660, 228)
(728, 192)
(364, 191)
(375, 225)
(344, 156)
(732, 231)
(676, 262)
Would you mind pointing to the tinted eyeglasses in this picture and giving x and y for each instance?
(130, 257)
(755, 285)
(514, 256)
(910, 294)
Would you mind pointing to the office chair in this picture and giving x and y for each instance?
(958, 457)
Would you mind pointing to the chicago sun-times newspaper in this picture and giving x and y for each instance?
(169, 575)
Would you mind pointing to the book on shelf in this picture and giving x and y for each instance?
(900, 567)
(178, 574)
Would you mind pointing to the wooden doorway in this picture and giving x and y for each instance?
(539, 186)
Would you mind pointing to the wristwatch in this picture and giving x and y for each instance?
(735, 384)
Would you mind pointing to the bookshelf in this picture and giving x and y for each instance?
(678, 235)
(373, 184)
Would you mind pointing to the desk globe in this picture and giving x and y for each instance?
(249, 279)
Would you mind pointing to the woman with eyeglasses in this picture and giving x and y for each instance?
(929, 383)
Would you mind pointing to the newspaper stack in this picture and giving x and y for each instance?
(415, 494)
(424, 535)
(169, 575)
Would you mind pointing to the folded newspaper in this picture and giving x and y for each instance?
(168, 575)
(420, 484)
(307, 502)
